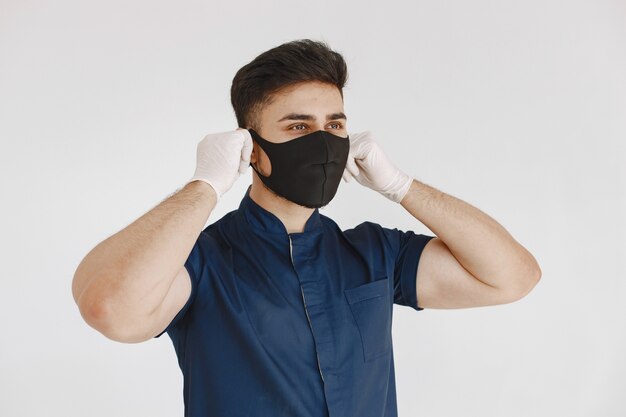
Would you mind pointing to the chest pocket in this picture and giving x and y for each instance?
(371, 309)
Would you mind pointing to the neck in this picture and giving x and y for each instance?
(292, 215)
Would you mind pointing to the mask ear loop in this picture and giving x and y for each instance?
(255, 169)
(253, 141)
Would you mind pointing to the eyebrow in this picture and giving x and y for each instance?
(298, 116)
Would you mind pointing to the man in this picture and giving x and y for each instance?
(276, 311)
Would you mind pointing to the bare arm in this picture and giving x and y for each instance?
(122, 281)
(473, 261)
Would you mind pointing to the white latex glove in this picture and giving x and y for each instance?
(221, 158)
(372, 168)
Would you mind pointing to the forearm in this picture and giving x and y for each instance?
(127, 276)
(475, 239)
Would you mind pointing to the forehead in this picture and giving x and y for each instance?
(305, 97)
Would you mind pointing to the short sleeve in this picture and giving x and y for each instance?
(406, 250)
(193, 264)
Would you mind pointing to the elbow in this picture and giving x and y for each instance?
(101, 316)
(534, 273)
(531, 283)
(526, 280)
(93, 311)
(98, 316)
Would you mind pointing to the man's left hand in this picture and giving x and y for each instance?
(372, 168)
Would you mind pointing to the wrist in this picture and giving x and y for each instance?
(205, 187)
(399, 187)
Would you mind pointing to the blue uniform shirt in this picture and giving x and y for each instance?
(293, 324)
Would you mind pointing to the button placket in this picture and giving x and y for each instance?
(305, 308)
(305, 257)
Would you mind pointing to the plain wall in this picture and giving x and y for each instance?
(518, 108)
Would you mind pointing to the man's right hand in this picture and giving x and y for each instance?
(221, 158)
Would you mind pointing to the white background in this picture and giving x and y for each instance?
(518, 108)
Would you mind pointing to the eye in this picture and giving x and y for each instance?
(339, 126)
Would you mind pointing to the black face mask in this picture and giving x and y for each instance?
(305, 170)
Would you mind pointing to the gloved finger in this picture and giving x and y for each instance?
(352, 167)
(346, 175)
(246, 150)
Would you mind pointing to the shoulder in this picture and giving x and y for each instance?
(364, 235)
(365, 227)
(216, 235)
(368, 232)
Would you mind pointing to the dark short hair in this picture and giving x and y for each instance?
(255, 84)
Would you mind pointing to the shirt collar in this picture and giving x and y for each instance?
(267, 222)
